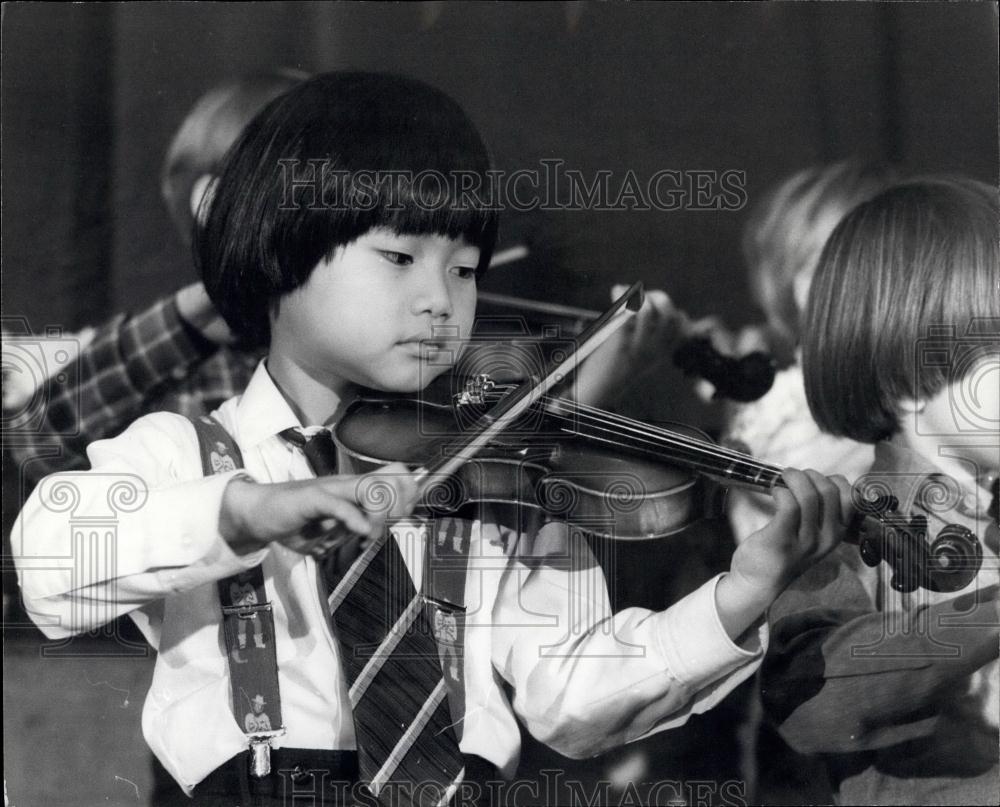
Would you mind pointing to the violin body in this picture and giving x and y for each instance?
(539, 466)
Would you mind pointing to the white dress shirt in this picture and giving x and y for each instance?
(139, 535)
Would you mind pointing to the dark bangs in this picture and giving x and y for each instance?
(454, 202)
(324, 164)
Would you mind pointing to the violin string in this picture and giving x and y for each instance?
(696, 461)
(635, 426)
(694, 448)
(657, 437)
(653, 437)
(716, 450)
(654, 433)
(643, 435)
(651, 433)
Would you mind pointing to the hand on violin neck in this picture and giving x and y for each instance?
(813, 513)
(314, 516)
(643, 345)
(196, 309)
(743, 381)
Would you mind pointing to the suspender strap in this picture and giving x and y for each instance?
(446, 563)
(247, 623)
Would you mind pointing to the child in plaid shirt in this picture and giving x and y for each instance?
(177, 355)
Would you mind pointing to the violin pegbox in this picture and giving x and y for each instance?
(948, 563)
(871, 515)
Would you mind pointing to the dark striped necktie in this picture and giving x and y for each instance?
(399, 688)
(407, 743)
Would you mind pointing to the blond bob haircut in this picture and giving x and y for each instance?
(919, 259)
(786, 231)
(217, 119)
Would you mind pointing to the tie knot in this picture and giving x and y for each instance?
(320, 449)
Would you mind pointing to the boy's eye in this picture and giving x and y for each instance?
(398, 258)
(465, 272)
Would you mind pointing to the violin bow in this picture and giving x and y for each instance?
(518, 401)
(514, 404)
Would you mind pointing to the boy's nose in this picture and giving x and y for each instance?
(432, 296)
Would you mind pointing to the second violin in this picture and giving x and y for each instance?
(736, 378)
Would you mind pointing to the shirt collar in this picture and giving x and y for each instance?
(262, 411)
(905, 469)
(894, 455)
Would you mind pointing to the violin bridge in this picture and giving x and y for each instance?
(476, 390)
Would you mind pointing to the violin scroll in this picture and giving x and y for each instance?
(744, 379)
(955, 558)
(949, 563)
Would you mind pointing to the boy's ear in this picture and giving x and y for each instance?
(202, 192)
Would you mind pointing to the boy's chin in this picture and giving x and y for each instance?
(408, 382)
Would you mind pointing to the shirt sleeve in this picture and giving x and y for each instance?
(842, 677)
(128, 360)
(586, 679)
(142, 524)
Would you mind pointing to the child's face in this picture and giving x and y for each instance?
(365, 315)
(962, 419)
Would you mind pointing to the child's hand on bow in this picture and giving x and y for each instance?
(314, 516)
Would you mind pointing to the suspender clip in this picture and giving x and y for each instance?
(260, 752)
(245, 611)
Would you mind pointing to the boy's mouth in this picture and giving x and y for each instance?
(423, 348)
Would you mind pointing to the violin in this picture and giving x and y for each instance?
(609, 475)
(619, 478)
(744, 378)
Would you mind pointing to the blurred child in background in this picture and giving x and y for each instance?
(177, 355)
(897, 693)
(782, 242)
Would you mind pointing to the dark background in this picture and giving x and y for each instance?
(91, 95)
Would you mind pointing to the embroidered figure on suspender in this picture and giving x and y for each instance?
(221, 460)
(256, 719)
(243, 595)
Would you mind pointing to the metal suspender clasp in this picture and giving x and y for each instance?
(260, 752)
(246, 611)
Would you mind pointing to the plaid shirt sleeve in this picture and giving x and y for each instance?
(126, 371)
